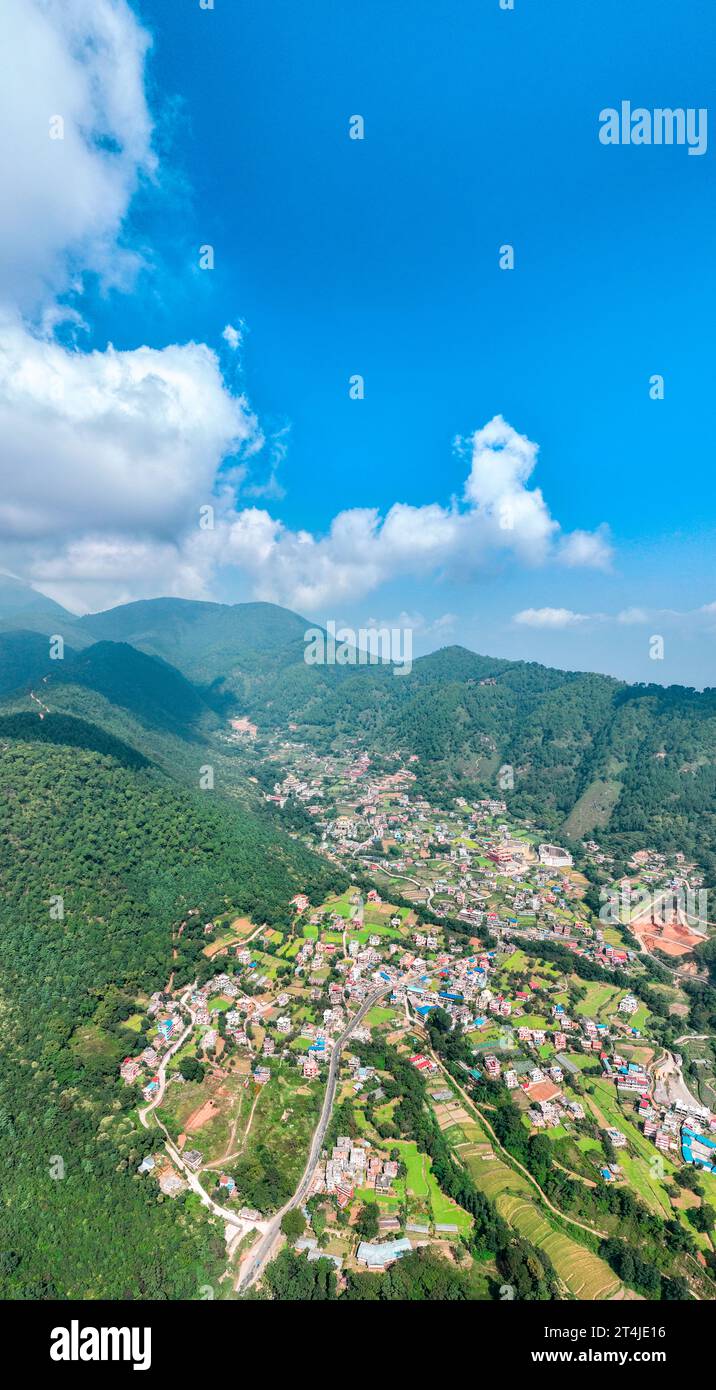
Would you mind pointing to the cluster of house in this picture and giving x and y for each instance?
(463, 991)
(684, 1126)
(353, 1164)
(381, 811)
(627, 1076)
(697, 1147)
(550, 1106)
(542, 1085)
(681, 1126)
(460, 982)
(142, 1068)
(220, 984)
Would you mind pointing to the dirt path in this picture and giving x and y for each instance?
(229, 1157)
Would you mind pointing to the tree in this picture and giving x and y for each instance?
(367, 1223)
(191, 1069)
(293, 1223)
(702, 1218)
(290, 1277)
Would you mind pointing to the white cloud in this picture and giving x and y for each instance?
(110, 455)
(550, 617)
(107, 456)
(100, 571)
(64, 199)
(501, 516)
(125, 441)
(140, 436)
(590, 548)
(502, 463)
(631, 616)
(687, 622)
(418, 623)
(233, 336)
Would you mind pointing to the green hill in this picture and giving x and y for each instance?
(138, 698)
(212, 643)
(131, 854)
(585, 753)
(22, 607)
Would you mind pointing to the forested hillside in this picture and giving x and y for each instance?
(140, 699)
(582, 753)
(218, 646)
(102, 859)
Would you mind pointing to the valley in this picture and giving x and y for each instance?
(359, 1014)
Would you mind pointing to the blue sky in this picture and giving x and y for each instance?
(380, 257)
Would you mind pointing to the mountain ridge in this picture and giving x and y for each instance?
(580, 752)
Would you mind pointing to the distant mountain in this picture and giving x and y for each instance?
(22, 607)
(214, 644)
(581, 753)
(18, 597)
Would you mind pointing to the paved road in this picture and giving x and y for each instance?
(256, 1260)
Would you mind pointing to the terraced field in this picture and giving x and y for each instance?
(422, 1186)
(584, 1274)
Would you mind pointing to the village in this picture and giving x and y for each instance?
(233, 1071)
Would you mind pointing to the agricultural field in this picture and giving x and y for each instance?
(642, 1171)
(220, 1003)
(582, 1272)
(380, 1015)
(228, 932)
(517, 961)
(598, 999)
(264, 965)
(418, 1193)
